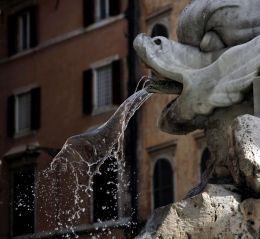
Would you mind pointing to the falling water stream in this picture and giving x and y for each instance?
(79, 161)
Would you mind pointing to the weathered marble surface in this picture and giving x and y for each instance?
(215, 24)
(216, 59)
(218, 212)
(209, 80)
(244, 163)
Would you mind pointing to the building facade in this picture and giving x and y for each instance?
(63, 70)
(65, 66)
(169, 165)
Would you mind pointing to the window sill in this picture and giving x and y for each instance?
(25, 236)
(104, 109)
(20, 149)
(21, 52)
(23, 134)
(17, 55)
(108, 224)
(104, 22)
(78, 229)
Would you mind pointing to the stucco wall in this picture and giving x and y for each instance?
(186, 150)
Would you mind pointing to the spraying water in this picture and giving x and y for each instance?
(80, 159)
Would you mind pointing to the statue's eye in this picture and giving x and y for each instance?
(157, 41)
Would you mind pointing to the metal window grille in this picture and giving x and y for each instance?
(104, 86)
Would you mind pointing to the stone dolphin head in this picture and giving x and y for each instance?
(213, 64)
(209, 80)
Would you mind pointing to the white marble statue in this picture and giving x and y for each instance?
(209, 80)
(213, 69)
(216, 24)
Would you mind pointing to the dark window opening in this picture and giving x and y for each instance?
(22, 30)
(105, 192)
(159, 30)
(23, 196)
(163, 183)
(204, 160)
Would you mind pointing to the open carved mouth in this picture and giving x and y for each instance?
(158, 84)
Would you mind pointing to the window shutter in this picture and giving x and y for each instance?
(88, 12)
(36, 108)
(11, 116)
(87, 91)
(11, 35)
(117, 82)
(114, 7)
(33, 26)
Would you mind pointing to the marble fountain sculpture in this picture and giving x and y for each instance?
(214, 68)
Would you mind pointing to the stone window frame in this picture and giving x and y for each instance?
(34, 93)
(99, 80)
(162, 158)
(117, 87)
(121, 200)
(22, 17)
(164, 151)
(22, 159)
(22, 110)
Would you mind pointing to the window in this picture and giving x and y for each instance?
(105, 192)
(162, 183)
(22, 30)
(24, 112)
(96, 10)
(22, 201)
(102, 87)
(204, 160)
(102, 9)
(159, 30)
